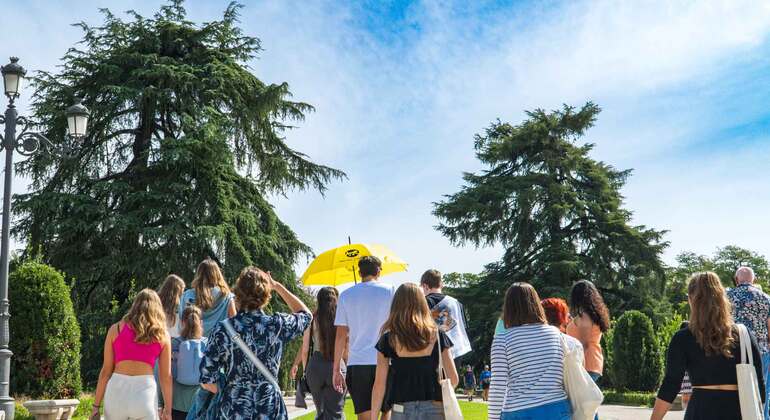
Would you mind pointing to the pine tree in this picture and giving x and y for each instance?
(556, 211)
(185, 145)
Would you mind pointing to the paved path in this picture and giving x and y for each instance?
(606, 412)
(617, 412)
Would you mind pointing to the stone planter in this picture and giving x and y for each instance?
(52, 409)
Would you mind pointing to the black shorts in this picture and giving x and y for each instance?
(360, 382)
(484, 385)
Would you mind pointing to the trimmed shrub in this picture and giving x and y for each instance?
(637, 361)
(45, 337)
(608, 376)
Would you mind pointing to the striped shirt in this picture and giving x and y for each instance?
(527, 369)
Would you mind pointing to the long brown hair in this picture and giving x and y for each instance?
(192, 323)
(324, 320)
(170, 293)
(146, 317)
(207, 276)
(410, 324)
(710, 319)
(522, 306)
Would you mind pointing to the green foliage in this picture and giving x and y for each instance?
(608, 376)
(46, 336)
(637, 360)
(635, 399)
(558, 214)
(460, 280)
(185, 146)
(724, 262)
(667, 330)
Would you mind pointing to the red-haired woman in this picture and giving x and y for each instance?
(557, 314)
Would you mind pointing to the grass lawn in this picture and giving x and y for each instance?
(471, 411)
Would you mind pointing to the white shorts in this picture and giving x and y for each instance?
(131, 398)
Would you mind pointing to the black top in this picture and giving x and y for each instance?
(685, 354)
(413, 378)
(434, 298)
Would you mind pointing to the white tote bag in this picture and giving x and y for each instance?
(448, 397)
(584, 395)
(748, 387)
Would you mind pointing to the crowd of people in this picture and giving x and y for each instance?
(214, 353)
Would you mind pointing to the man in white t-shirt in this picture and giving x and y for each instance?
(361, 311)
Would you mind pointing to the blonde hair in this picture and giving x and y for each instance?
(170, 293)
(192, 323)
(711, 321)
(410, 323)
(146, 317)
(207, 276)
(252, 289)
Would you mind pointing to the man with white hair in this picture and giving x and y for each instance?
(751, 307)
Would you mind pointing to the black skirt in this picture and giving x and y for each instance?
(711, 404)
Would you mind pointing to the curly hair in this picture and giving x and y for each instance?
(711, 321)
(252, 289)
(585, 299)
(146, 317)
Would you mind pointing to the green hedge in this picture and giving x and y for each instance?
(45, 337)
(636, 354)
(637, 399)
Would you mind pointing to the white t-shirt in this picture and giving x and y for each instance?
(363, 308)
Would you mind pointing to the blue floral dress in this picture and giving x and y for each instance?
(244, 392)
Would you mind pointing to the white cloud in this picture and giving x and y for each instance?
(397, 108)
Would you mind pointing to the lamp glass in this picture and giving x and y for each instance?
(77, 124)
(12, 82)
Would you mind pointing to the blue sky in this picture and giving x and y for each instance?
(400, 89)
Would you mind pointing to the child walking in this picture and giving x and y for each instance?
(187, 351)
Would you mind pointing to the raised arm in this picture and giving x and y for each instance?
(294, 303)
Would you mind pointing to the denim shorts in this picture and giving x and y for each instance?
(418, 410)
(559, 410)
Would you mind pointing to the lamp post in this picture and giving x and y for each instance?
(25, 143)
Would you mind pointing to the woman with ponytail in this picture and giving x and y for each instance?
(329, 403)
(244, 391)
(708, 349)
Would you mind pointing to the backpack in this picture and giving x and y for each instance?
(188, 361)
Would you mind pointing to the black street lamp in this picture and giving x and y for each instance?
(25, 143)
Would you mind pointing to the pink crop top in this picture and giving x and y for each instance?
(125, 348)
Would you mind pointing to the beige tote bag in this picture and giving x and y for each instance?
(448, 397)
(748, 387)
(584, 395)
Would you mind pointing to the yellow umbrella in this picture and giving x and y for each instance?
(340, 265)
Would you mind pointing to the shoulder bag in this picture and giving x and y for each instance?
(748, 386)
(236, 338)
(584, 395)
(448, 397)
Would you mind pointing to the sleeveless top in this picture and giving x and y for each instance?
(414, 378)
(594, 358)
(126, 348)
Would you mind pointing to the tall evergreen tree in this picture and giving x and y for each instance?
(185, 144)
(557, 212)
